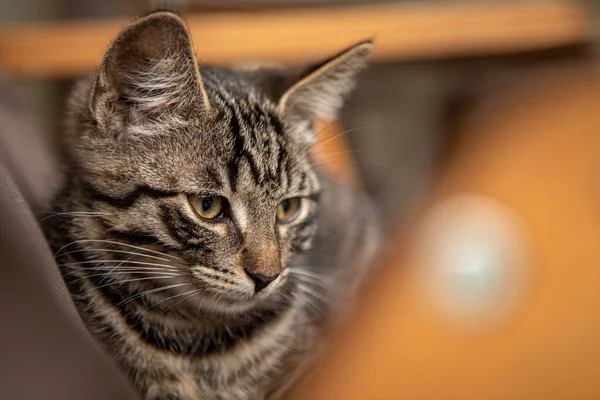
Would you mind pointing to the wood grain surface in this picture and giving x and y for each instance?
(401, 31)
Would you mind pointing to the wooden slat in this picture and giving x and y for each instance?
(401, 31)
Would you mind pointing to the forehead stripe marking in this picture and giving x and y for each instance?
(240, 152)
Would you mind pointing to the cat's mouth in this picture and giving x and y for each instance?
(230, 287)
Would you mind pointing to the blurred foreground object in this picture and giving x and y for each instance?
(520, 202)
(26, 156)
(402, 31)
(45, 351)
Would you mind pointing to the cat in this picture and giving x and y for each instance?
(201, 242)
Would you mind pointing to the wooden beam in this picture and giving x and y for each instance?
(401, 31)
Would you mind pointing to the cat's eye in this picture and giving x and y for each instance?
(208, 206)
(288, 210)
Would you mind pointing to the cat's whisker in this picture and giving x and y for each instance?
(214, 299)
(295, 158)
(189, 294)
(289, 297)
(353, 114)
(123, 267)
(309, 291)
(329, 285)
(337, 135)
(157, 275)
(326, 139)
(118, 266)
(323, 283)
(170, 298)
(329, 125)
(136, 279)
(324, 294)
(325, 290)
(321, 141)
(116, 244)
(325, 153)
(123, 270)
(306, 300)
(298, 271)
(74, 213)
(51, 214)
(150, 291)
(120, 261)
(116, 251)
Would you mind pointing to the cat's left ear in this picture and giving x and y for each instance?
(148, 71)
(320, 91)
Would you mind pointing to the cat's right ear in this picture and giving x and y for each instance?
(149, 71)
(317, 92)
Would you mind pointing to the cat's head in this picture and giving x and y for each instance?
(210, 167)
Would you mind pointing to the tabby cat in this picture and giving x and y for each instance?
(199, 238)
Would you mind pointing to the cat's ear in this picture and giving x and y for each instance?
(319, 91)
(148, 71)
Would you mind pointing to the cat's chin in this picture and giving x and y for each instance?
(228, 306)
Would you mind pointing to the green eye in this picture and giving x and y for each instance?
(288, 210)
(208, 207)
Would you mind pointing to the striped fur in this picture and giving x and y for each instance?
(166, 291)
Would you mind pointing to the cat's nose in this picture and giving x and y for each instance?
(260, 281)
